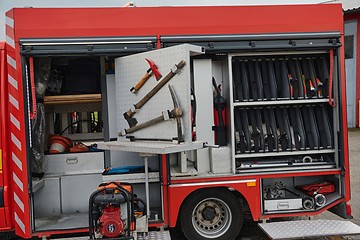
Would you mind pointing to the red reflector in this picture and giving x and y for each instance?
(348, 210)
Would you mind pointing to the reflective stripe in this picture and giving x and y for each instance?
(16, 141)
(17, 161)
(18, 182)
(14, 102)
(212, 183)
(0, 160)
(11, 61)
(13, 81)
(19, 222)
(10, 41)
(15, 121)
(9, 22)
(19, 202)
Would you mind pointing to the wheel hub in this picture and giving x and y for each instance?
(211, 218)
(208, 213)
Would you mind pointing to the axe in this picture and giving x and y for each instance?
(175, 113)
(153, 70)
(129, 114)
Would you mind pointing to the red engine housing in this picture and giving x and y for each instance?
(111, 223)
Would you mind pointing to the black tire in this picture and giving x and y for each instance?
(211, 214)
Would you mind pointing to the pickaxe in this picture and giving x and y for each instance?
(153, 70)
(175, 113)
(129, 114)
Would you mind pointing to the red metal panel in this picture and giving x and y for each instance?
(4, 139)
(2, 219)
(260, 175)
(344, 124)
(249, 188)
(96, 22)
(165, 191)
(15, 123)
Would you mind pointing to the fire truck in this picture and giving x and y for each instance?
(119, 121)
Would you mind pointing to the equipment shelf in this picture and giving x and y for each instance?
(280, 102)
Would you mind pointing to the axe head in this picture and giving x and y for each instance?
(154, 69)
(131, 120)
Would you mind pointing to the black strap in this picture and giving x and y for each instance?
(237, 81)
(307, 124)
(270, 138)
(244, 81)
(293, 79)
(300, 79)
(272, 79)
(255, 134)
(253, 81)
(296, 127)
(265, 80)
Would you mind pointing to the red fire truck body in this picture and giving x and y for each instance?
(228, 35)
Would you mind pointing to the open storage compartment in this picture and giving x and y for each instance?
(290, 194)
(283, 110)
(73, 103)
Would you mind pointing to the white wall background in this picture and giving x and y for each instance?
(5, 5)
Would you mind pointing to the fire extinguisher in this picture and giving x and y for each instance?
(219, 116)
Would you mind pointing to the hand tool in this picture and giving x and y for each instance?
(153, 70)
(219, 109)
(175, 113)
(129, 114)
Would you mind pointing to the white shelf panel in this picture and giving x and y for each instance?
(131, 177)
(149, 147)
(285, 153)
(280, 102)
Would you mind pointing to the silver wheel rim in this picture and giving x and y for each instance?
(211, 218)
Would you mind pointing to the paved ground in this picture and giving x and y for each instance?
(250, 231)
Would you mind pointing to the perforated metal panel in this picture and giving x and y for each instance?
(130, 69)
(161, 235)
(309, 228)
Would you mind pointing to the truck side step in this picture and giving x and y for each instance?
(156, 235)
(309, 228)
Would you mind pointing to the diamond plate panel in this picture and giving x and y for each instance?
(159, 235)
(309, 228)
(130, 69)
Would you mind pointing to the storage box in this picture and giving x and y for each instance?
(289, 202)
(74, 163)
(220, 160)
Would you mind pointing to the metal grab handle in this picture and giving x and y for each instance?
(331, 75)
(32, 83)
(72, 160)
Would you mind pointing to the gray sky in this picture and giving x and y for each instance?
(5, 5)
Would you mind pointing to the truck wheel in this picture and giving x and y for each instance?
(211, 214)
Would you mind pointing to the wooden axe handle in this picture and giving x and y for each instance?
(145, 124)
(153, 91)
(141, 82)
